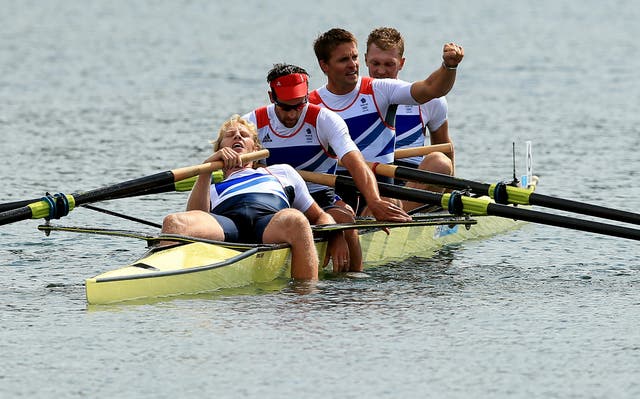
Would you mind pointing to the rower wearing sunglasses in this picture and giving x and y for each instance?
(313, 138)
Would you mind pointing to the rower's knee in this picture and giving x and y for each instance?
(437, 162)
(173, 224)
(291, 224)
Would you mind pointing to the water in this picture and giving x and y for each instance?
(96, 93)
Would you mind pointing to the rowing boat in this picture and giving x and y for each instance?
(196, 266)
(200, 266)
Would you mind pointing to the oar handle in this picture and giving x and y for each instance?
(190, 171)
(318, 178)
(446, 148)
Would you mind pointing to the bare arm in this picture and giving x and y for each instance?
(367, 184)
(316, 215)
(200, 197)
(442, 79)
(338, 250)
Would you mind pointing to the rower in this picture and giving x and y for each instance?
(312, 138)
(357, 99)
(385, 59)
(265, 205)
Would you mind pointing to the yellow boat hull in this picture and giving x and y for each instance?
(378, 248)
(201, 267)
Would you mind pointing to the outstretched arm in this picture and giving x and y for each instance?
(442, 79)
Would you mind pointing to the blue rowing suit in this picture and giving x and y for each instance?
(245, 202)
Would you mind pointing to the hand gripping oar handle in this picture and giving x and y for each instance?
(479, 206)
(194, 170)
(43, 208)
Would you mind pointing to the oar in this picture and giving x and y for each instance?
(60, 204)
(506, 194)
(460, 204)
(447, 148)
(181, 185)
(187, 184)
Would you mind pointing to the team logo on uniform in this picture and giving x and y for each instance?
(266, 139)
(308, 136)
(364, 105)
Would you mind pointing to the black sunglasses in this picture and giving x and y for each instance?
(287, 107)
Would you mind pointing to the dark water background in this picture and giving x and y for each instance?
(92, 93)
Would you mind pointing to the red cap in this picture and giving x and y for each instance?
(288, 87)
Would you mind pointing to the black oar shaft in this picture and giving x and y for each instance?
(511, 212)
(124, 188)
(7, 206)
(584, 208)
(393, 191)
(15, 215)
(521, 194)
(404, 173)
(170, 187)
(563, 221)
(100, 194)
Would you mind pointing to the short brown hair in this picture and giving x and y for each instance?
(329, 40)
(386, 38)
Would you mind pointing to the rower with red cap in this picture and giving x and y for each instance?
(312, 138)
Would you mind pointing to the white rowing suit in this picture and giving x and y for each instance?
(412, 121)
(364, 110)
(269, 181)
(314, 144)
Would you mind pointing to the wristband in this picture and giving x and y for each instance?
(448, 67)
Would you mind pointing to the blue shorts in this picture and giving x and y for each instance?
(232, 232)
(326, 198)
(244, 218)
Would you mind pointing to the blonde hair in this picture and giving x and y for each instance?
(233, 121)
(386, 38)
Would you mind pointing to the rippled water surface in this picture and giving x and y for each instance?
(92, 93)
